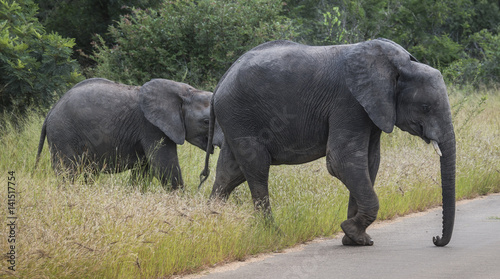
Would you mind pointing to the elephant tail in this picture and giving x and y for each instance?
(210, 148)
(41, 142)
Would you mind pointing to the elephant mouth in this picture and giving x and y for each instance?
(205, 142)
(200, 142)
(421, 133)
(435, 144)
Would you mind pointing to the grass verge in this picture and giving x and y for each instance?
(116, 227)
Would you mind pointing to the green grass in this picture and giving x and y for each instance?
(114, 228)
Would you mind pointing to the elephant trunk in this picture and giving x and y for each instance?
(448, 161)
(210, 148)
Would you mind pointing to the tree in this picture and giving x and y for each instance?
(191, 41)
(83, 19)
(34, 66)
(482, 65)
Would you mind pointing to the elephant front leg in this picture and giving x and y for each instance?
(355, 229)
(367, 206)
(164, 164)
(176, 177)
(352, 210)
(363, 202)
(170, 173)
(373, 166)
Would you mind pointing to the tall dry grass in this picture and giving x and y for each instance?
(116, 227)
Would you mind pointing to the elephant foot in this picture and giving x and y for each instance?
(354, 236)
(347, 241)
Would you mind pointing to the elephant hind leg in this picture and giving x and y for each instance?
(228, 175)
(66, 163)
(245, 159)
(254, 161)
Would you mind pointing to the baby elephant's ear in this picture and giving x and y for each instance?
(161, 102)
(373, 69)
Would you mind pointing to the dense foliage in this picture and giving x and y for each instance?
(34, 65)
(133, 41)
(191, 41)
(82, 19)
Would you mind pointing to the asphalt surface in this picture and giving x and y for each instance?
(402, 249)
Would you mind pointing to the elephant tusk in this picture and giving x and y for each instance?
(436, 147)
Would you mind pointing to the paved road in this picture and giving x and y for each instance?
(402, 249)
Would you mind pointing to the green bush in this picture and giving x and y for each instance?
(188, 41)
(439, 51)
(34, 66)
(482, 67)
(489, 53)
(82, 19)
(463, 71)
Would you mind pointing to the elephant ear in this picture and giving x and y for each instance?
(161, 102)
(373, 68)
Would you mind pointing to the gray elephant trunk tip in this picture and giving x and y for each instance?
(203, 177)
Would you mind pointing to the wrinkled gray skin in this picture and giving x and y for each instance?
(287, 103)
(113, 127)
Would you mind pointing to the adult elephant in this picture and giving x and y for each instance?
(288, 103)
(107, 126)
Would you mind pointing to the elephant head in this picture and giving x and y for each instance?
(178, 110)
(395, 89)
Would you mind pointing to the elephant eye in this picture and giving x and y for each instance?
(206, 121)
(426, 108)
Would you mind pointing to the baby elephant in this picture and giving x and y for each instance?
(112, 127)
